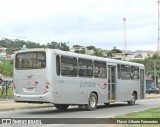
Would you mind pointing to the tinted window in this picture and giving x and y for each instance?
(125, 72)
(134, 73)
(100, 70)
(85, 68)
(30, 60)
(58, 64)
(68, 66)
(119, 71)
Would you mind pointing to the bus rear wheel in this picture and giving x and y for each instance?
(133, 100)
(92, 102)
(61, 106)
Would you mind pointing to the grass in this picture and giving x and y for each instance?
(150, 113)
(8, 96)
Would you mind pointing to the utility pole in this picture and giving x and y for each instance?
(125, 36)
(155, 73)
(158, 28)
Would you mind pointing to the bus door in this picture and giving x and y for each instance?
(142, 84)
(111, 82)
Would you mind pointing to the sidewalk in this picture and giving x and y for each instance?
(149, 96)
(6, 105)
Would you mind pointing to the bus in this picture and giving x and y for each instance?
(67, 78)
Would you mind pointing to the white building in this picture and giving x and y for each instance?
(76, 48)
(140, 55)
(2, 53)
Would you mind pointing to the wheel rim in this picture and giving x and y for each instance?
(92, 102)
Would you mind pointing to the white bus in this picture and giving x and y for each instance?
(67, 78)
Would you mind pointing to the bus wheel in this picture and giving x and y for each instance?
(92, 102)
(61, 106)
(133, 99)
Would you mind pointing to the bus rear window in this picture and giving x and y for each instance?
(30, 60)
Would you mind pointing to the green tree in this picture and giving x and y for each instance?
(98, 53)
(90, 47)
(64, 47)
(60, 45)
(6, 69)
(53, 45)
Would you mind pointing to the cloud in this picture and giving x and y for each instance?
(85, 22)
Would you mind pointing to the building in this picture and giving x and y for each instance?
(76, 48)
(140, 55)
(3, 53)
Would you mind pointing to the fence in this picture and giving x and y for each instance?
(6, 87)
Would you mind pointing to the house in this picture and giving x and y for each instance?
(140, 55)
(76, 48)
(2, 53)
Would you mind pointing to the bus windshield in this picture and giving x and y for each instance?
(30, 60)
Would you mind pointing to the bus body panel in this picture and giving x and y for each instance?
(66, 89)
(77, 90)
(30, 82)
(124, 89)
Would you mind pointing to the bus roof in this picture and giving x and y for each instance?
(68, 53)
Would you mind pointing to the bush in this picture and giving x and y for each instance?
(6, 69)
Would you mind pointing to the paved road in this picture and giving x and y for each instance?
(74, 112)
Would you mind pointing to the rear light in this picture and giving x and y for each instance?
(14, 86)
(47, 87)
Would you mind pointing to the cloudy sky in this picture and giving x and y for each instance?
(84, 22)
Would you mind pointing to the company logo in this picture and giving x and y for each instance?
(33, 82)
(102, 84)
(6, 121)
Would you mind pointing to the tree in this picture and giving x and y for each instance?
(60, 45)
(64, 47)
(98, 53)
(53, 45)
(115, 50)
(90, 47)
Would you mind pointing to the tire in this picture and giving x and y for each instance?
(133, 100)
(92, 102)
(61, 106)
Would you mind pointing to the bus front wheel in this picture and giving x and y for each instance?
(133, 100)
(61, 106)
(92, 102)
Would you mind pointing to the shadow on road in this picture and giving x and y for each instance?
(72, 109)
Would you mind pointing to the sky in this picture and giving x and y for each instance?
(82, 22)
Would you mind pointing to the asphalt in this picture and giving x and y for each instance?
(6, 105)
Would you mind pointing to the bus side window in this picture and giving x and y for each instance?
(68, 66)
(119, 71)
(134, 73)
(58, 64)
(100, 70)
(85, 68)
(125, 72)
